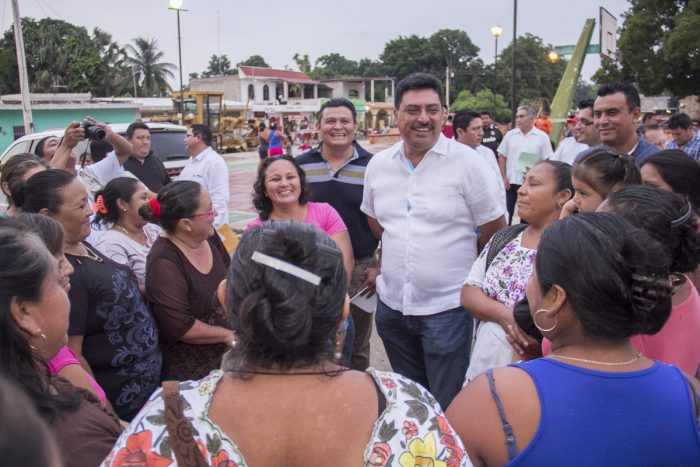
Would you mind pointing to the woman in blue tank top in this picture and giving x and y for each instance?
(594, 400)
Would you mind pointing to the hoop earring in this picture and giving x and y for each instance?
(541, 329)
(43, 336)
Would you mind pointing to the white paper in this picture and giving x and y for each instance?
(366, 304)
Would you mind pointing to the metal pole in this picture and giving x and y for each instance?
(447, 88)
(22, 66)
(133, 75)
(513, 89)
(179, 52)
(495, 76)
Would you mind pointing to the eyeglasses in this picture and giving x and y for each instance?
(211, 213)
(580, 122)
(415, 110)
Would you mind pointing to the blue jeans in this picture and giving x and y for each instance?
(432, 350)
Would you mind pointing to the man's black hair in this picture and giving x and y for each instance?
(630, 92)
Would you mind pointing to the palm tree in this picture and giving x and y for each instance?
(145, 57)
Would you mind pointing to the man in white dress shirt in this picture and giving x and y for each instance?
(521, 148)
(424, 197)
(208, 168)
(469, 130)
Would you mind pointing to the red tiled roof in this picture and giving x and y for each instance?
(285, 75)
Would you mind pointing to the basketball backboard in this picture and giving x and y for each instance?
(608, 34)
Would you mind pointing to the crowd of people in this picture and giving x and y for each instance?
(537, 307)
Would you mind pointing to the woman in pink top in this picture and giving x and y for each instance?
(281, 193)
(671, 221)
(64, 364)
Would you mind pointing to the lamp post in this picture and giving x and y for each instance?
(133, 76)
(177, 6)
(513, 88)
(496, 31)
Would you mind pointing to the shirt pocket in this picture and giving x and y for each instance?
(440, 203)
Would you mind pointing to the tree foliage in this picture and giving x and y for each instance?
(535, 75)
(253, 60)
(482, 100)
(62, 57)
(659, 48)
(219, 65)
(145, 58)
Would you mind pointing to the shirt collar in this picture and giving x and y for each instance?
(319, 153)
(441, 147)
(201, 155)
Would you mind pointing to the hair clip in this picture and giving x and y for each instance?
(682, 220)
(99, 205)
(289, 268)
(155, 207)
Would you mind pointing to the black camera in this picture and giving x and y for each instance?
(92, 131)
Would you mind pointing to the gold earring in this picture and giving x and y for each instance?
(339, 341)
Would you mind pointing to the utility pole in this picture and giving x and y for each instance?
(513, 86)
(22, 66)
(447, 88)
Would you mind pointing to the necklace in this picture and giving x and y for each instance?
(121, 229)
(595, 362)
(89, 254)
(291, 373)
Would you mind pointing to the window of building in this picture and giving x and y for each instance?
(251, 92)
(266, 93)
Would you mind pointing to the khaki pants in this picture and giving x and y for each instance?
(363, 320)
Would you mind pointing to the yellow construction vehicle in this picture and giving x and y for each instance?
(206, 107)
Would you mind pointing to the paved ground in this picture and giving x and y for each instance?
(242, 174)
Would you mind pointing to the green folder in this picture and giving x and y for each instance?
(526, 161)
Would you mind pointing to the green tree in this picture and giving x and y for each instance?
(608, 72)
(303, 63)
(253, 60)
(60, 57)
(219, 65)
(482, 100)
(115, 76)
(405, 55)
(145, 57)
(659, 46)
(334, 65)
(535, 75)
(447, 48)
(584, 90)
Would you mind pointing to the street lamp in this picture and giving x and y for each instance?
(496, 31)
(133, 76)
(552, 56)
(514, 61)
(177, 6)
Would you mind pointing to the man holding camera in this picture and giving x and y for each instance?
(97, 175)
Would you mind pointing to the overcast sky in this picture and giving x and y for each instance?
(278, 29)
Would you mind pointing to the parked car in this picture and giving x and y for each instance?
(167, 143)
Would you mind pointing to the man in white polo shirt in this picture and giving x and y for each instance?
(521, 148)
(208, 168)
(424, 197)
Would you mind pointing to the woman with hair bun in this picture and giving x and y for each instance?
(183, 270)
(671, 221)
(597, 173)
(281, 397)
(595, 400)
(674, 170)
(122, 207)
(14, 172)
